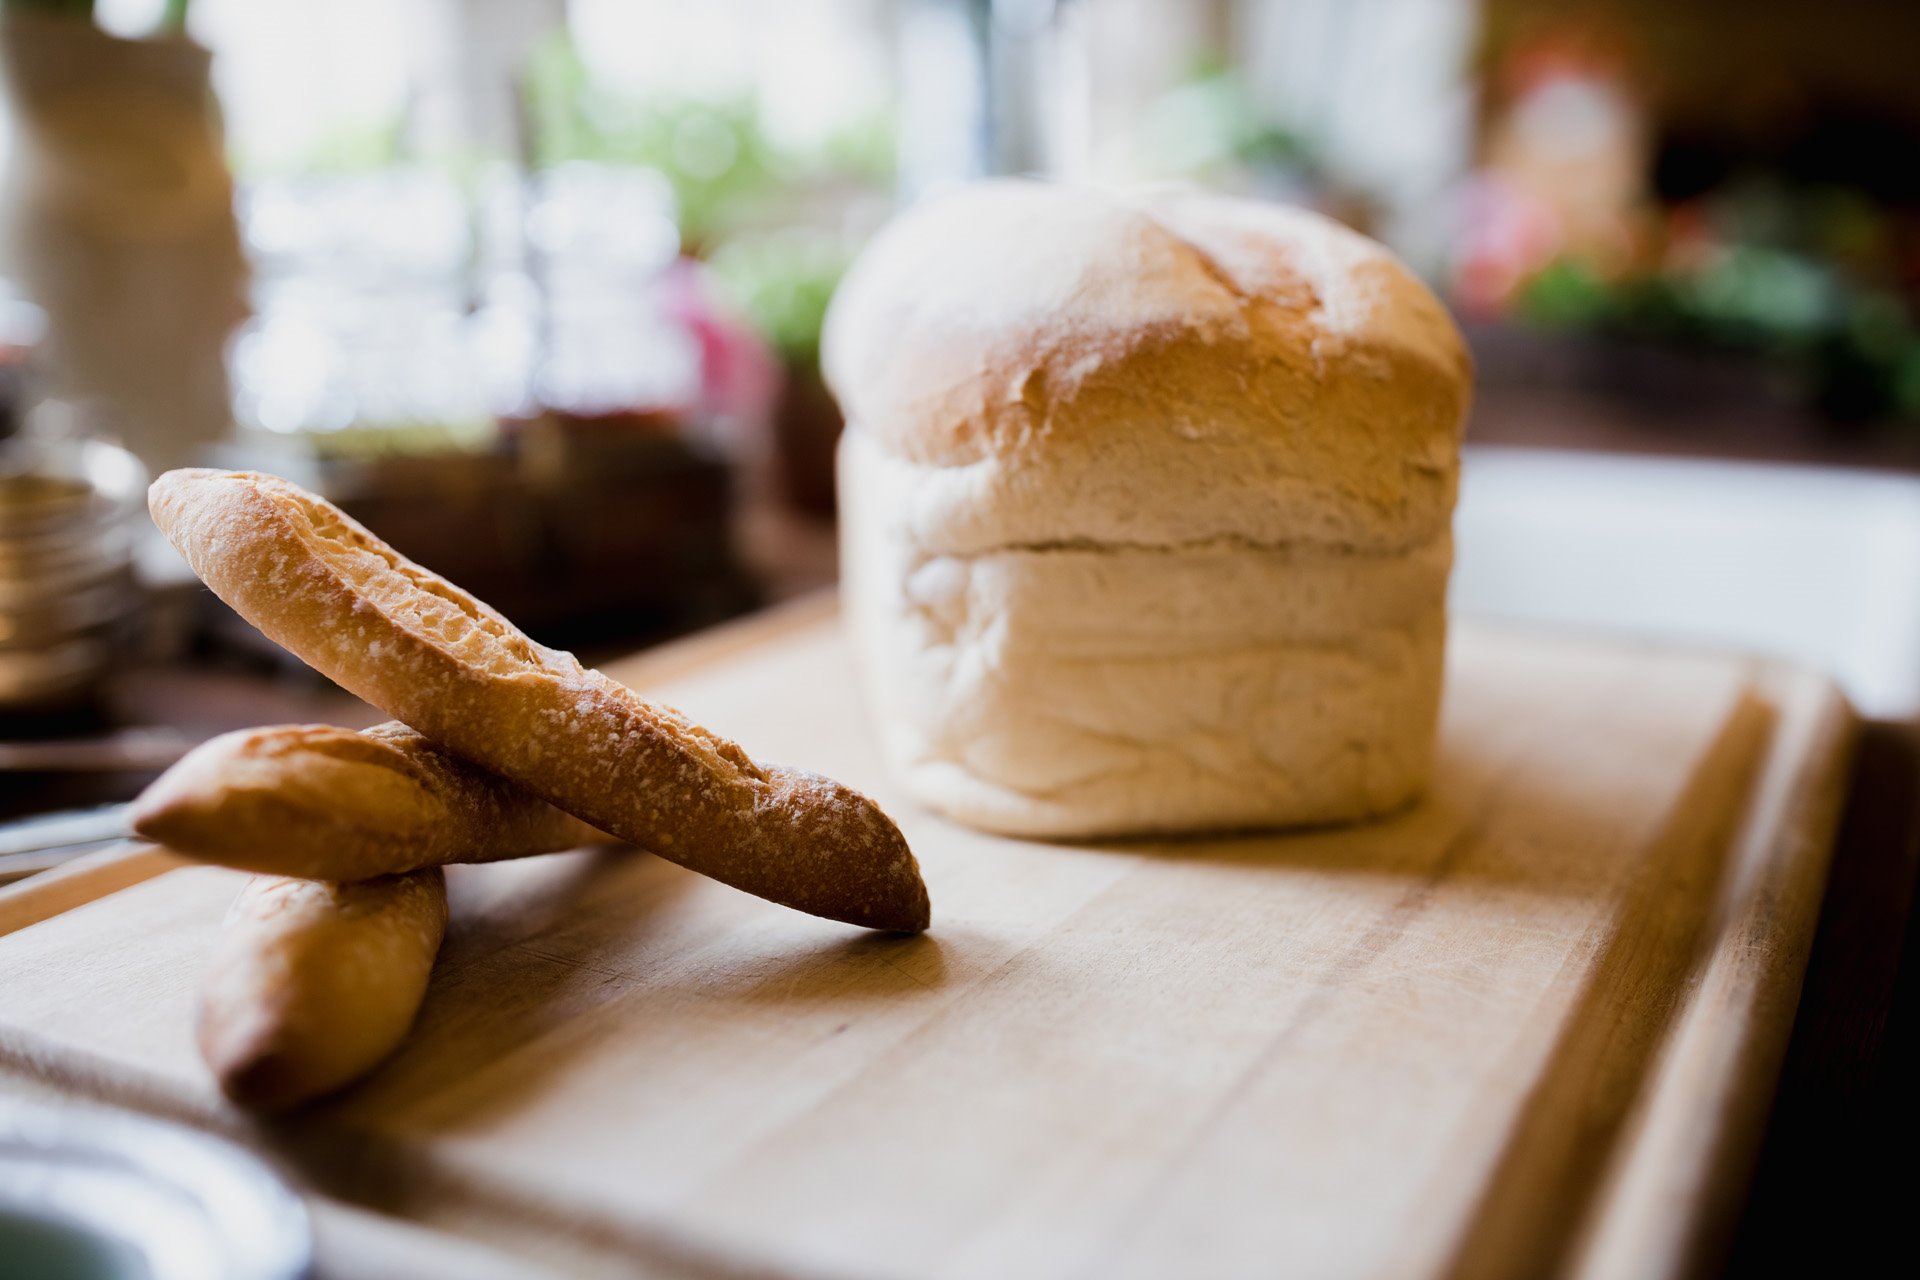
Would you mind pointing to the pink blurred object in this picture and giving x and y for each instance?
(1506, 235)
(740, 377)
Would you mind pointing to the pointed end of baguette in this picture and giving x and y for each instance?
(189, 807)
(242, 1039)
(300, 800)
(263, 1082)
(870, 876)
(173, 493)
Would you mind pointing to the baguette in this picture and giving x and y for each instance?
(313, 983)
(412, 643)
(332, 804)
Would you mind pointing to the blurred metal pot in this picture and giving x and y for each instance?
(90, 1192)
(68, 519)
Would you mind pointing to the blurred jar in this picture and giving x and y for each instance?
(70, 509)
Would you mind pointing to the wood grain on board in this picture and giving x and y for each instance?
(1529, 1025)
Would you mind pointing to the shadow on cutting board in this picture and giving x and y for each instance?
(536, 945)
(495, 987)
(1530, 811)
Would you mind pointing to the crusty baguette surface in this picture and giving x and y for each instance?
(313, 983)
(429, 654)
(332, 804)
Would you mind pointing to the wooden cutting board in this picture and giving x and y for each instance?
(1531, 1025)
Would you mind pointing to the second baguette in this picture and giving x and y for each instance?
(331, 804)
(312, 984)
(412, 643)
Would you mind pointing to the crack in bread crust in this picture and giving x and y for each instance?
(405, 592)
(441, 614)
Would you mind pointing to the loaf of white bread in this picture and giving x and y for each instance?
(1146, 505)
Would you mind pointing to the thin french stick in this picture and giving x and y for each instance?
(429, 654)
(331, 804)
(313, 983)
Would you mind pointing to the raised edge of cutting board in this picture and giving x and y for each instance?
(1530, 1026)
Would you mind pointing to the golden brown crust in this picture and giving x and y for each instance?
(332, 804)
(415, 645)
(1213, 367)
(1229, 296)
(313, 983)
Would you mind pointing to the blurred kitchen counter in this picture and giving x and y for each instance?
(1548, 417)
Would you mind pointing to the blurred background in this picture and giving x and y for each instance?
(534, 288)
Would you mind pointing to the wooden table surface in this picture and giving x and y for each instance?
(1563, 880)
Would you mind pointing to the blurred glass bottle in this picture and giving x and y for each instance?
(992, 87)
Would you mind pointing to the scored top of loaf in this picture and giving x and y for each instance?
(1154, 367)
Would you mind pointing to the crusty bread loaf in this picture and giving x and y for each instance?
(1145, 509)
(332, 804)
(313, 983)
(1081, 367)
(417, 646)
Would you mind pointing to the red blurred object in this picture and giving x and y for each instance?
(1507, 234)
(739, 375)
